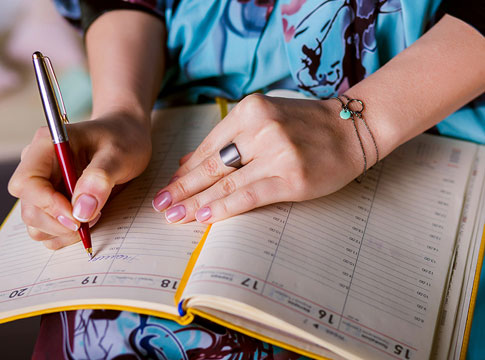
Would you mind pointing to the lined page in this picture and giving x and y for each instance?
(466, 241)
(137, 255)
(364, 268)
(472, 262)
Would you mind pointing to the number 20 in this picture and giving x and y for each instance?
(17, 293)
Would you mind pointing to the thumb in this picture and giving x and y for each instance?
(94, 186)
(185, 158)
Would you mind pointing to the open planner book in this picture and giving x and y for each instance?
(383, 269)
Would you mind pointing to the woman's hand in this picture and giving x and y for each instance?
(126, 73)
(108, 151)
(292, 150)
(301, 149)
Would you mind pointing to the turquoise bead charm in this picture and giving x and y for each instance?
(345, 114)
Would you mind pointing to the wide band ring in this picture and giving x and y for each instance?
(230, 156)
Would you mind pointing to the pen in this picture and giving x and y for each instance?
(56, 120)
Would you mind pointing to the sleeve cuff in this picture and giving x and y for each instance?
(92, 9)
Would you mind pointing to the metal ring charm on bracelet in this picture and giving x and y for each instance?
(230, 156)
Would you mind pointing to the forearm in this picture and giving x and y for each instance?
(126, 57)
(435, 76)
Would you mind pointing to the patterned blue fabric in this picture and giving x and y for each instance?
(109, 334)
(231, 48)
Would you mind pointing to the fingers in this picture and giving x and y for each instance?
(24, 151)
(184, 158)
(40, 194)
(62, 236)
(95, 185)
(238, 182)
(204, 175)
(47, 229)
(185, 210)
(38, 235)
(60, 242)
(50, 241)
(186, 183)
(292, 150)
(249, 197)
(225, 132)
(193, 183)
(31, 182)
(119, 150)
(53, 242)
(108, 158)
(237, 200)
(39, 219)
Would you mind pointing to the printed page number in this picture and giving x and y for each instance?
(17, 293)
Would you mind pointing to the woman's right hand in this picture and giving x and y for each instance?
(107, 151)
(126, 64)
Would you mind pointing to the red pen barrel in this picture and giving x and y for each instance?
(85, 235)
(64, 156)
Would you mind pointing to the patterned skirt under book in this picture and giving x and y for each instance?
(108, 334)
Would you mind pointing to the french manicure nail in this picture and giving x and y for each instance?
(162, 201)
(175, 214)
(84, 207)
(68, 223)
(203, 214)
(95, 220)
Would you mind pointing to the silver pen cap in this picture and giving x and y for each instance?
(46, 79)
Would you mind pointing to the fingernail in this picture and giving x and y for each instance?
(68, 223)
(95, 220)
(203, 214)
(175, 214)
(162, 201)
(173, 179)
(84, 207)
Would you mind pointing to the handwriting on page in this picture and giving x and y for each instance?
(134, 248)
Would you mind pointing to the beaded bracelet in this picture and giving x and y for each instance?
(347, 113)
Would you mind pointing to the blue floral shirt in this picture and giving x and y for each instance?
(231, 48)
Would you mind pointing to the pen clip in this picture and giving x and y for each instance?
(59, 96)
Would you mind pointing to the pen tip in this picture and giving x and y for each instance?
(90, 252)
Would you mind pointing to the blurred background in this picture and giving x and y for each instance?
(25, 27)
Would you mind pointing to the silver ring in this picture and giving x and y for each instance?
(230, 156)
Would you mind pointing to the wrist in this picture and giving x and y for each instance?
(134, 113)
(384, 118)
(358, 138)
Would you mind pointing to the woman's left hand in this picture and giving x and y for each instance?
(291, 150)
(295, 150)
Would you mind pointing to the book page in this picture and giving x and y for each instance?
(473, 262)
(138, 256)
(363, 269)
(467, 242)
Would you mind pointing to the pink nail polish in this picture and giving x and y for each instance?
(84, 207)
(175, 214)
(162, 201)
(203, 214)
(68, 223)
